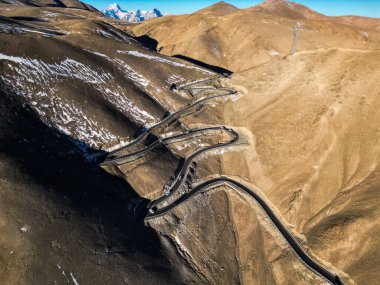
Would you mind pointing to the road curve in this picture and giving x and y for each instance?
(174, 115)
(155, 211)
(166, 140)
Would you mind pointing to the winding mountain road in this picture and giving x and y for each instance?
(175, 115)
(154, 207)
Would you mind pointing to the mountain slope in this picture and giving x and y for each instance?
(57, 211)
(315, 149)
(218, 9)
(122, 92)
(287, 9)
(262, 37)
(293, 10)
(71, 86)
(308, 112)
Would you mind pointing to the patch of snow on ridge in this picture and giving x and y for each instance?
(175, 78)
(106, 34)
(48, 15)
(74, 280)
(115, 35)
(364, 34)
(68, 68)
(123, 104)
(117, 146)
(273, 52)
(132, 74)
(98, 54)
(36, 80)
(162, 59)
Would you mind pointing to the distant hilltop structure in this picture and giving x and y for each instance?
(136, 16)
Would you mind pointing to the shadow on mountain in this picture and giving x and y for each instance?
(147, 42)
(213, 68)
(152, 44)
(54, 161)
(27, 19)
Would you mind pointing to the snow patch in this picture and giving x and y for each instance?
(364, 34)
(175, 78)
(115, 35)
(163, 60)
(35, 80)
(74, 280)
(121, 144)
(132, 74)
(273, 53)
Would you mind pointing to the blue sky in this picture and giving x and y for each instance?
(370, 8)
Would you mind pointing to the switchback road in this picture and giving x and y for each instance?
(156, 211)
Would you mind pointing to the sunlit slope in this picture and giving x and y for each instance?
(248, 37)
(316, 150)
(287, 9)
(218, 9)
(293, 10)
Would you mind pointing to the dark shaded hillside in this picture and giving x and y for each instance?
(57, 210)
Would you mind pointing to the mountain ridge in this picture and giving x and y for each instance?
(218, 9)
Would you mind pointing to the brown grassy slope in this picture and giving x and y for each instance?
(293, 10)
(248, 38)
(315, 150)
(287, 9)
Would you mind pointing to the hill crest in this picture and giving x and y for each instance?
(218, 9)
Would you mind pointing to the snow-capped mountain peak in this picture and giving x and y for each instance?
(115, 11)
(115, 7)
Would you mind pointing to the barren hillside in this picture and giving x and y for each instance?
(218, 9)
(315, 149)
(308, 112)
(253, 36)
